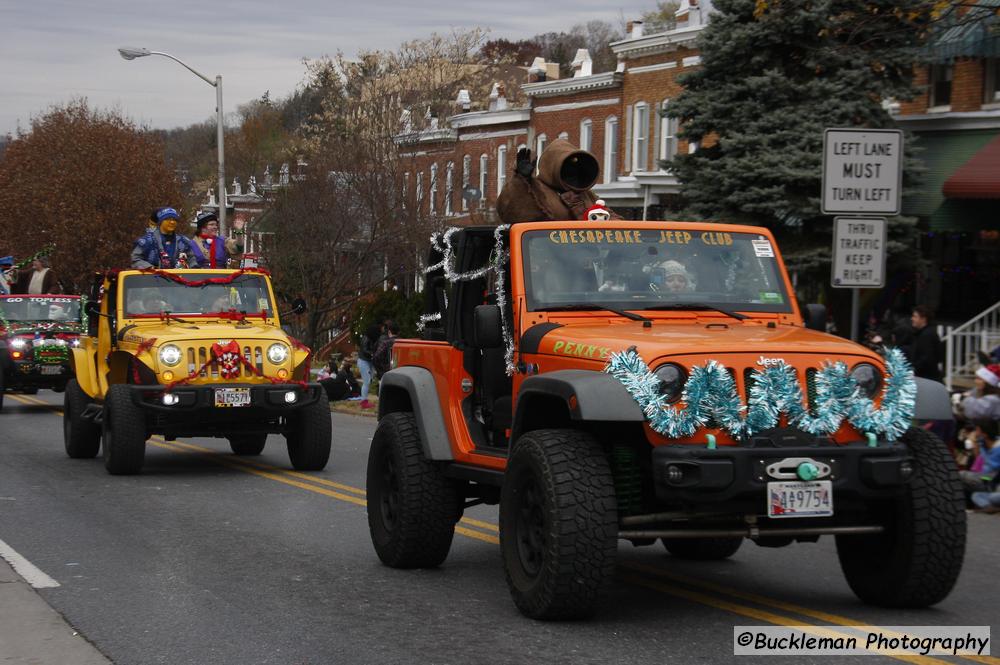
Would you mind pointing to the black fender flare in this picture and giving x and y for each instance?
(587, 395)
(412, 389)
(933, 401)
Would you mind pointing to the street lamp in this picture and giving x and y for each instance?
(131, 53)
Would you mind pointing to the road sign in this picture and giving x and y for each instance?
(862, 171)
(858, 252)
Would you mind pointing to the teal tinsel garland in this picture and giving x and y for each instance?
(710, 393)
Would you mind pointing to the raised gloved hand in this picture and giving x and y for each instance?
(525, 165)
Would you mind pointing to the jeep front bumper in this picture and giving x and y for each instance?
(192, 400)
(736, 477)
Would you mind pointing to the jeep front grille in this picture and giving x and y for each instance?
(198, 356)
(809, 387)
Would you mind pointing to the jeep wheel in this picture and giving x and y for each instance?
(309, 437)
(412, 507)
(81, 437)
(558, 524)
(124, 432)
(247, 444)
(916, 560)
(702, 549)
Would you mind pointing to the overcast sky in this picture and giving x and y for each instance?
(52, 51)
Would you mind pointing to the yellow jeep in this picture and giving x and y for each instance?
(191, 353)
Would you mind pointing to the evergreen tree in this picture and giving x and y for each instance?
(774, 75)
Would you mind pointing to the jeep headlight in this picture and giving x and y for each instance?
(868, 378)
(170, 355)
(672, 379)
(18, 343)
(277, 353)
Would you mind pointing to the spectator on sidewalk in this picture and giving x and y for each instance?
(982, 476)
(983, 401)
(339, 385)
(366, 352)
(382, 358)
(926, 349)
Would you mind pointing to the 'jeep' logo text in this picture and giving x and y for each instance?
(769, 362)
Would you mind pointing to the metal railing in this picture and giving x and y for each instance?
(963, 344)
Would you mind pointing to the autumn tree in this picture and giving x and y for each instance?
(84, 181)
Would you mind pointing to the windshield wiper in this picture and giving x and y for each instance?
(581, 307)
(698, 305)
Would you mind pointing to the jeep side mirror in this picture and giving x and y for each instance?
(486, 327)
(815, 316)
(92, 308)
(298, 306)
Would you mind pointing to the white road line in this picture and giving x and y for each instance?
(29, 571)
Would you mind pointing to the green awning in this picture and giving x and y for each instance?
(941, 154)
(975, 34)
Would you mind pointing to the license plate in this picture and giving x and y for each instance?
(800, 499)
(226, 397)
(51, 369)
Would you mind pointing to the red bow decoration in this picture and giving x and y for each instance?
(230, 358)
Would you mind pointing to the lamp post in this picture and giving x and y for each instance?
(131, 53)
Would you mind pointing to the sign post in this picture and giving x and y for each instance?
(862, 176)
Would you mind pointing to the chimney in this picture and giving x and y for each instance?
(463, 101)
(636, 31)
(551, 71)
(582, 64)
(537, 73)
(406, 121)
(494, 96)
(430, 119)
(501, 98)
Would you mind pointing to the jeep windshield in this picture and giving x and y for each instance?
(652, 269)
(40, 308)
(152, 295)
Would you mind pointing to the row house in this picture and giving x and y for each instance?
(955, 122)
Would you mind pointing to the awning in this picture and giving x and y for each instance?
(978, 178)
(941, 154)
(975, 34)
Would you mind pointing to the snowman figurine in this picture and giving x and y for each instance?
(598, 212)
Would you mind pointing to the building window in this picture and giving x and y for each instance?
(940, 85)
(640, 140)
(484, 164)
(563, 135)
(668, 133)
(432, 199)
(611, 149)
(449, 178)
(466, 177)
(420, 190)
(991, 81)
(501, 168)
(406, 187)
(540, 142)
(586, 134)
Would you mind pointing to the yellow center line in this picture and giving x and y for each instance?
(291, 478)
(763, 615)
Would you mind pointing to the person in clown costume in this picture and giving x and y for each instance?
(217, 251)
(163, 247)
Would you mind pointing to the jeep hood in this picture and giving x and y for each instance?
(597, 341)
(199, 332)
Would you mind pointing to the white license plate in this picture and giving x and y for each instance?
(225, 397)
(51, 369)
(800, 499)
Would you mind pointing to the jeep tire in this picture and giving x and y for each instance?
(81, 437)
(412, 506)
(247, 444)
(702, 549)
(123, 432)
(916, 560)
(308, 436)
(558, 524)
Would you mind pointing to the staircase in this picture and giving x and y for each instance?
(962, 344)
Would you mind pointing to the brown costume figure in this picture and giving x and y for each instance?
(560, 191)
(40, 280)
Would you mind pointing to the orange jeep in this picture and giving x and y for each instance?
(652, 381)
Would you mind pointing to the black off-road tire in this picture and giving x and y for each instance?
(412, 506)
(309, 437)
(247, 444)
(916, 561)
(81, 437)
(124, 436)
(702, 549)
(558, 524)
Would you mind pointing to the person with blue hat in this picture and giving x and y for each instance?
(163, 247)
(6, 274)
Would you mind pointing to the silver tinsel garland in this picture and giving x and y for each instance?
(442, 243)
(710, 394)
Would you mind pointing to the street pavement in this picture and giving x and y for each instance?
(212, 559)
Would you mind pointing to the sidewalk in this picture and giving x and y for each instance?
(33, 633)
